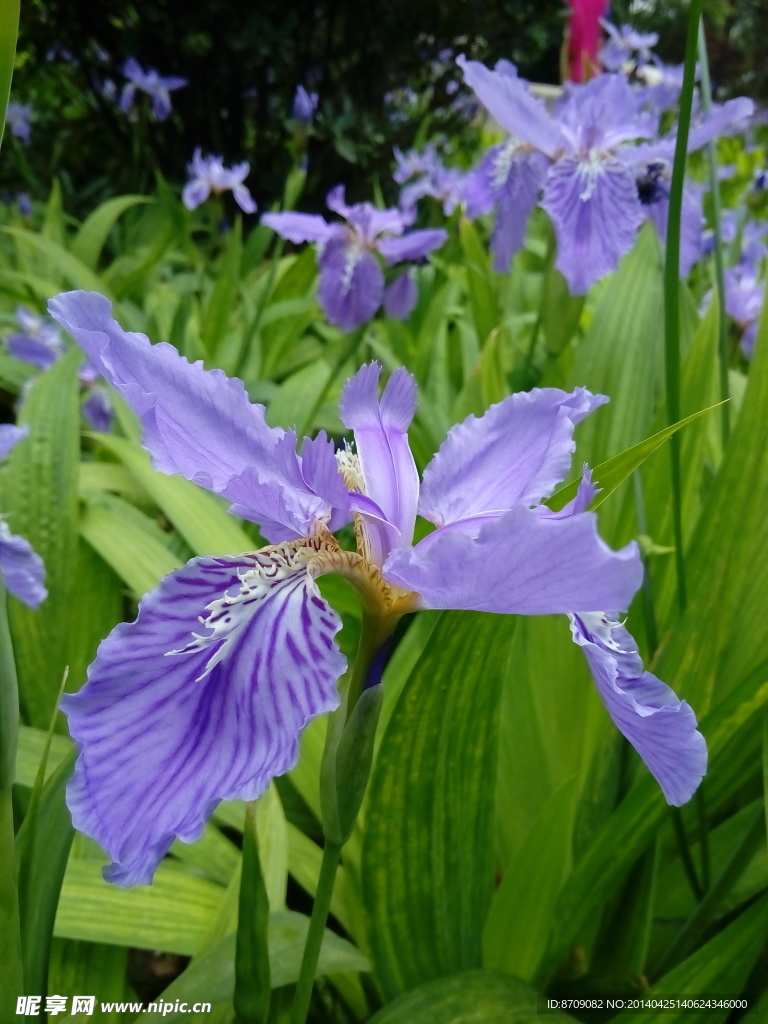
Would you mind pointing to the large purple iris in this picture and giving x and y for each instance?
(598, 184)
(21, 568)
(204, 696)
(351, 279)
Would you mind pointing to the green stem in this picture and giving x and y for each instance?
(11, 973)
(714, 191)
(697, 923)
(703, 832)
(320, 909)
(685, 854)
(672, 290)
(649, 613)
(252, 971)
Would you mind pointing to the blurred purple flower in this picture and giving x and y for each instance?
(176, 717)
(17, 119)
(744, 293)
(158, 87)
(351, 285)
(210, 175)
(304, 105)
(401, 296)
(21, 568)
(39, 342)
(622, 45)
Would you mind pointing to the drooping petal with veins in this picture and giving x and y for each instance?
(659, 726)
(177, 716)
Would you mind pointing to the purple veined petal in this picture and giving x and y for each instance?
(195, 192)
(381, 438)
(22, 568)
(596, 212)
(581, 501)
(176, 716)
(508, 101)
(10, 435)
(521, 563)
(602, 113)
(244, 199)
(692, 224)
(515, 454)
(98, 410)
(300, 227)
(196, 422)
(288, 495)
(413, 246)
(401, 296)
(661, 728)
(351, 284)
(516, 198)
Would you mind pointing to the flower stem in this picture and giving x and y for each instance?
(11, 972)
(322, 904)
(714, 191)
(672, 290)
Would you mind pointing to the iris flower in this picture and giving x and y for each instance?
(21, 568)
(204, 696)
(158, 87)
(351, 279)
(210, 175)
(623, 43)
(39, 342)
(304, 105)
(17, 118)
(597, 160)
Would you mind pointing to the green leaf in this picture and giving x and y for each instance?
(719, 968)
(612, 473)
(210, 977)
(129, 541)
(482, 292)
(90, 239)
(9, 27)
(42, 849)
(252, 985)
(198, 516)
(428, 849)
(218, 310)
(521, 916)
(469, 997)
(41, 500)
(71, 270)
(32, 743)
(172, 914)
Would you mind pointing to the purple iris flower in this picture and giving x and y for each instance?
(401, 295)
(304, 105)
(744, 293)
(158, 87)
(210, 175)
(40, 343)
(623, 43)
(21, 568)
(204, 696)
(351, 285)
(17, 119)
(599, 180)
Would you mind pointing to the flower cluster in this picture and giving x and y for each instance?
(204, 696)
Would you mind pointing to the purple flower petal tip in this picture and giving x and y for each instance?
(660, 727)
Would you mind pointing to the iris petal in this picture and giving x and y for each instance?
(176, 717)
(660, 727)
